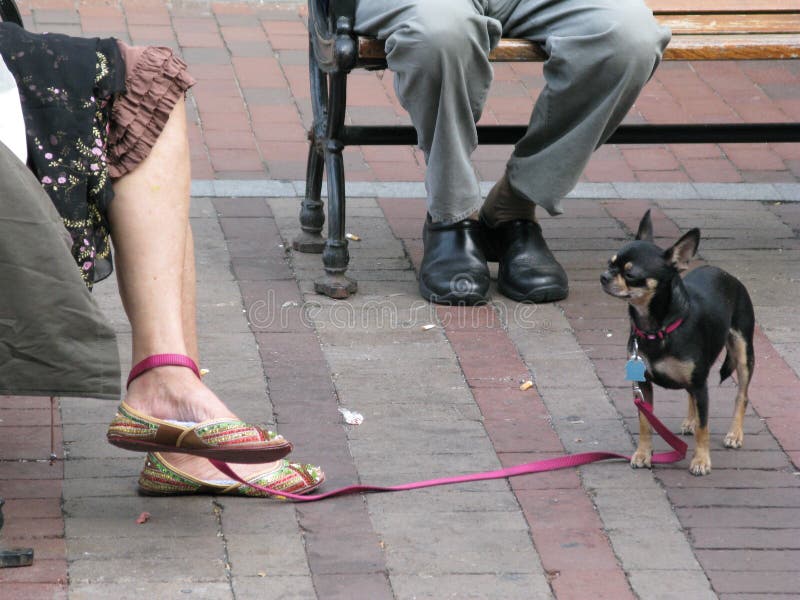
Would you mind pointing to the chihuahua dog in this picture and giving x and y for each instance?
(679, 326)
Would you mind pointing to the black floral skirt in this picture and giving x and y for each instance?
(89, 118)
(67, 86)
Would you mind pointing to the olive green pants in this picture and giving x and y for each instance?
(54, 341)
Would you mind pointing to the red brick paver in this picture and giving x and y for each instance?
(31, 488)
(265, 97)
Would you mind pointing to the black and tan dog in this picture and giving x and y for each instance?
(680, 326)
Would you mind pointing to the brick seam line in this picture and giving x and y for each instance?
(274, 188)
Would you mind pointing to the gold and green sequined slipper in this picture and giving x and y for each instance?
(159, 478)
(228, 440)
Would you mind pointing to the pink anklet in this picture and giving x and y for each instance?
(162, 360)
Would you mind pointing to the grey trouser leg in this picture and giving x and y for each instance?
(438, 50)
(601, 53)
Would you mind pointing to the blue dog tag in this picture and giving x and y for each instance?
(634, 369)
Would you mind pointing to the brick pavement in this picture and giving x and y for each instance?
(451, 393)
(278, 352)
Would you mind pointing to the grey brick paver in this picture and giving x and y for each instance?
(144, 589)
(426, 540)
(271, 586)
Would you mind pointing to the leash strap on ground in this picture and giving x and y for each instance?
(678, 452)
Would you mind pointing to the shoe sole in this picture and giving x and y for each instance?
(552, 293)
(240, 455)
(451, 299)
(153, 493)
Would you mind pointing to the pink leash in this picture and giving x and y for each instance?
(550, 464)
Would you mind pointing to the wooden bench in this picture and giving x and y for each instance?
(702, 30)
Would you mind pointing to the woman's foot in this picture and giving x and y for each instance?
(175, 393)
(168, 474)
(169, 409)
(201, 468)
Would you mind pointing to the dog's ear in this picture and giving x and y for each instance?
(645, 228)
(682, 252)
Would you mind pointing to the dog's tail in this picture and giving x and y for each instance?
(743, 326)
(728, 367)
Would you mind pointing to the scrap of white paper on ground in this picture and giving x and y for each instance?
(351, 417)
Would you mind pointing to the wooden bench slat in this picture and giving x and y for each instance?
(514, 50)
(682, 47)
(732, 23)
(733, 47)
(721, 6)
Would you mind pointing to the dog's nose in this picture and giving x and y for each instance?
(605, 278)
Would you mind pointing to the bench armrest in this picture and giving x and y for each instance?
(342, 8)
(9, 13)
(330, 28)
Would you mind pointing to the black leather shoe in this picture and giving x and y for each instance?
(454, 269)
(528, 270)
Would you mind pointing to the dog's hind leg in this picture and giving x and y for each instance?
(740, 350)
(701, 461)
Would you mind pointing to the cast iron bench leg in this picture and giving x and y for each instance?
(335, 256)
(312, 213)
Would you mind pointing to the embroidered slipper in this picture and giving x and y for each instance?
(159, 478)
(228, 440)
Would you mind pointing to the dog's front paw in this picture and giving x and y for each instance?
(642, 459)
(688, 426)
(734, 438)
(701, 465)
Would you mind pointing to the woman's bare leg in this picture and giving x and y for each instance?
(189, 299)
(149, 222)
(155, 268)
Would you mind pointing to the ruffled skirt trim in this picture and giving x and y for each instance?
(155, 80)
